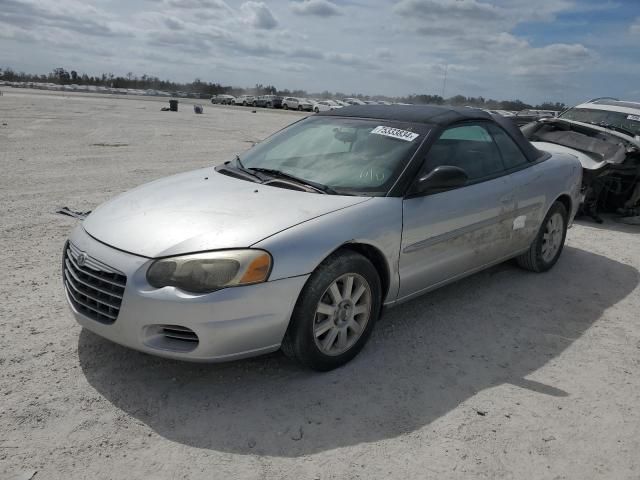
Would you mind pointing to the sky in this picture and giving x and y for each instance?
(532, 50)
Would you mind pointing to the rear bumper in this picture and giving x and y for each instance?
(231, 323)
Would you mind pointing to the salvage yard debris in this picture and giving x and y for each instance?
(604, 134)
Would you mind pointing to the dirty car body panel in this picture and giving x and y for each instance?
(296, 219)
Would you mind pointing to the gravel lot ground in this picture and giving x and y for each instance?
(506, 374)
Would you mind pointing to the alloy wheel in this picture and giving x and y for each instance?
(552, 237)
(342, 314)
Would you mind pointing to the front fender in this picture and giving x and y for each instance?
(301, 248)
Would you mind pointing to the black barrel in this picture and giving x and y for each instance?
(173, 105)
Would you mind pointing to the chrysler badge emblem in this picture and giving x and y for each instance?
(82, 259)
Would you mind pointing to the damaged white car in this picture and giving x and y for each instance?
(605, 136)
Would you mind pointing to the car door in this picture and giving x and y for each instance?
(528, 182)
(455, 232)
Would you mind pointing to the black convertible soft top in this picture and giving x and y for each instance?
(439, 116)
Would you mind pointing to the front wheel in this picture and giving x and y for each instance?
(317, 110)
(548, 244)
(285, 106)
(335, 313)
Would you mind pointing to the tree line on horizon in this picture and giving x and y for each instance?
(62, 76)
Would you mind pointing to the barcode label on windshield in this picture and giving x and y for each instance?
(396, 133)
(635, 118)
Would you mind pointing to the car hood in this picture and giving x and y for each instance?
(587, 162)
(203, 210)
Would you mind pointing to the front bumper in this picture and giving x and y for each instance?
(231, 323)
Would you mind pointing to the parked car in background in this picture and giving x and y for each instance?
(299, 244)
(244, 100)
(504, 113)
(342, 103)
(268, 101)
(325, 106)
(223, 99)
(290, 103)
(294, 103)
(354, 101)
(604, 134)
(306, 104)
(525, 116)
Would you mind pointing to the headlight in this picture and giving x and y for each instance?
(211, 271)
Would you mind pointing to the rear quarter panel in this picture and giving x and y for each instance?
(539, 186)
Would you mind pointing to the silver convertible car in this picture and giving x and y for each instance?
(302, 241)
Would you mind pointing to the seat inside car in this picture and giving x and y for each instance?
(477, 158)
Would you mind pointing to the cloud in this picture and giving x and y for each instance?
(307, 52)
(198, 4)
(258, 15)
(68, 15)
(383, 53)
(318, 8)
(349, 60)
(555, 59)
(389, 48)
(174, 23)
(454, 9)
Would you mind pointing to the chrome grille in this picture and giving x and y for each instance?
(94, 289)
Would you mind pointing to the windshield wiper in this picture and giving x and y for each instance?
(279, 173)
(246, 171)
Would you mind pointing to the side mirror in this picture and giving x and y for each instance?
(440, 178)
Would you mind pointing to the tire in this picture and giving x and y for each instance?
(314, 338)
(299, 108)
(285, 106)
(255, 104)
(317, 110)
(269, 105)
(244, 104)
(551, 235)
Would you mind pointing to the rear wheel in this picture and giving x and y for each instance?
(548, 244)
(299, 108)
(335, 313)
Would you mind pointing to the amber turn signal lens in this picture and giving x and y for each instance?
(258, 270)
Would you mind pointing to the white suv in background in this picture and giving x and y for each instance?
(325, 106)
(244, 100)
(293, 103)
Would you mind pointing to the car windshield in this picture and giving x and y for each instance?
(605, 118)
(351, 156)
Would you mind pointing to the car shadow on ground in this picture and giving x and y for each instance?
(610, 222)
(424, 358)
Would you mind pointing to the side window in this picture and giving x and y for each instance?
(469, 147)
(512, 156)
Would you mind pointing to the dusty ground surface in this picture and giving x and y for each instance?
(506, 374)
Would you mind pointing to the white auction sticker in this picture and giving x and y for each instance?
(635, 118)
(396, 133)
